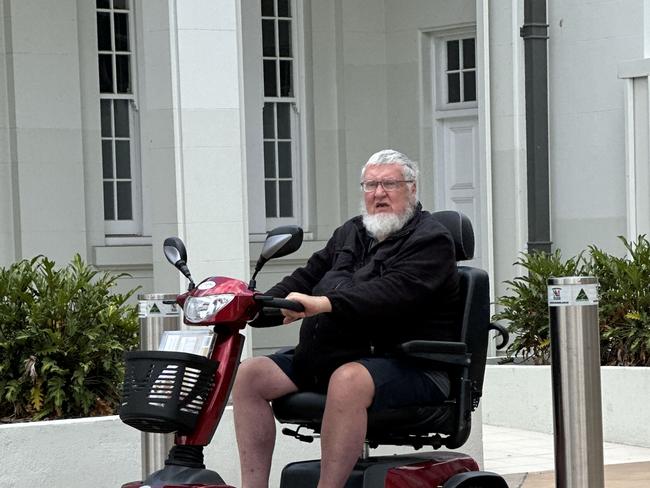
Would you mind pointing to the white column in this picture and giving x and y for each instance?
(192, 143)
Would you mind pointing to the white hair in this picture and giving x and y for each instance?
(390, 156)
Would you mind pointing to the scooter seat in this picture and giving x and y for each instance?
(307, 408)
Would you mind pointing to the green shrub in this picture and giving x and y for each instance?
(624, 306)
(624, 303)
(526, 309)
(62, 337)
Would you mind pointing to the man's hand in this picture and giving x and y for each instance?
(313, 306)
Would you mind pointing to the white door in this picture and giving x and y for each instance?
(459, 174)
(458, 178)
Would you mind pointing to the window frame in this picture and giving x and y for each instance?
(132, 227)
(441, 64)
(297, 122)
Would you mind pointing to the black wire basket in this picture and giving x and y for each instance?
(165, 391)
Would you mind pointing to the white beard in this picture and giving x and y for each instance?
(381, 225)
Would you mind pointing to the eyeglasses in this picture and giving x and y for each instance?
(388, 185)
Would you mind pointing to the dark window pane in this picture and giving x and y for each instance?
(284, 159)
(269, 159)
(124, 199)
(286, 199)
(453, 88)
(123, 73)
(270, 82)
(284, 8)
(268, 38)
(121, 108)
(469, 86)
(104, 31)
(107, 159)
(284, 38)
(469, 57)
(107, 130)
(452, 55)
(121, 24)
(105, 73)
(284, 121)
(267, 8)
(269, 121)
(121, 4)
(103, 4)
(286, 79)
(109, 201)
(123, 159)
(270, 199)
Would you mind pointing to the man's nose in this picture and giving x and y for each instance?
(379, 191)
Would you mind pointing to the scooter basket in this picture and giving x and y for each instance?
(165, 391)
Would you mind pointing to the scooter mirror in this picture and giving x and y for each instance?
(282, 241)
(279, 242)
(176, 254)
(174, 250)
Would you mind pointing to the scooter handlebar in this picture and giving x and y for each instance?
(273, 302)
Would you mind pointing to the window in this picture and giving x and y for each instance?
(117, 101)
(280, 113)
(460, 70)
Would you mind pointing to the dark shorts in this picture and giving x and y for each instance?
(397, 383)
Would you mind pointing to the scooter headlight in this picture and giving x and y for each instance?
(196, 309)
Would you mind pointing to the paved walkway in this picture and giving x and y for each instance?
(526, 458)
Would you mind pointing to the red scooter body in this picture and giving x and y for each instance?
(226, 352)
(226, 304)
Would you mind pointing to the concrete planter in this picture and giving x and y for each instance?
(520, 396)
(97, 452)
(102, 452)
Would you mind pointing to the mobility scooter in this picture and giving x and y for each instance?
(167, 391)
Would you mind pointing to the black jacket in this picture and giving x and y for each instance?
(382, 294)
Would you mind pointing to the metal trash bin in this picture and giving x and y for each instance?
(575, 369)
(158, 313)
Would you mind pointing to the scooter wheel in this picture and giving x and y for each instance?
(475, 479)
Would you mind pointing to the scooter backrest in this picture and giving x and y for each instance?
(460, 227)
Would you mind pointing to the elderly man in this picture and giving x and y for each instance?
(385, 277)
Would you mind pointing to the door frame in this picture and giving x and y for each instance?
(428, 135)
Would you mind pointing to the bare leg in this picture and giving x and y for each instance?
(349, 394)
(259, 380)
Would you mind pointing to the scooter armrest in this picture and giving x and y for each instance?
(445, 352)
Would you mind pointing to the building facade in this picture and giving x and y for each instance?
(123, 122)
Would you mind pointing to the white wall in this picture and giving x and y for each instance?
(586, 100)
(44, 121)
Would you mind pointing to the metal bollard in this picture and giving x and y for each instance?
(575, 369)
(156, 316)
